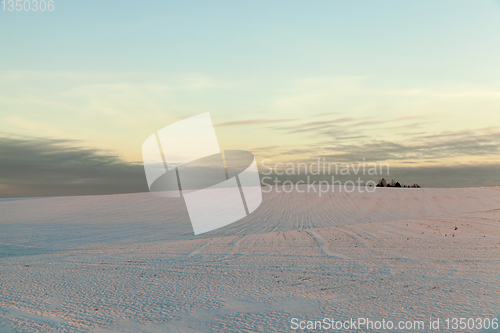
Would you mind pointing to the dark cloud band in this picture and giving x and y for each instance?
(32, 167)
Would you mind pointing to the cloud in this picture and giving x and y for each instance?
(265, 149)
(346, 124)
(32, 167)
(323, 114)
(35, 167)
(418, 148)
(249, 122)
(344, 144)
(399, 140)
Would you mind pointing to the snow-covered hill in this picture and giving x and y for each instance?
(128, 263)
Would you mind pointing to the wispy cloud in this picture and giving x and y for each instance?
(250, 122)
(417, 148)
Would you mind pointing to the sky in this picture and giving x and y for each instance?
(414, 84)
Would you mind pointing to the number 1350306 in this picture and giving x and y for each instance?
(28, 5)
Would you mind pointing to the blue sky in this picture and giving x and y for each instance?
(234, 38)
(427, 40)
(396, 81)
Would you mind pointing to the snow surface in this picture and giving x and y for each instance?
(131, 263)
